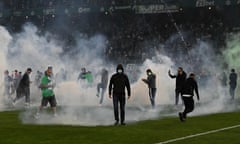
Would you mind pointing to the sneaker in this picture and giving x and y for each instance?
(13, 103)
(181, 116)
(116, 123)
(54, 115)
(37, 116)
(27, 105)
(123, 123)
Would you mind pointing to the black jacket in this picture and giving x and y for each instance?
(233, 79)
(189, 86)
(25, 81)
(180, 79)
(118, 83)
(151, 81)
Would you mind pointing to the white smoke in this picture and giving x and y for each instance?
(77, 102)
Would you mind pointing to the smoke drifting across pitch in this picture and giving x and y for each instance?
(5, 39)
(78, 102)
(231, 54)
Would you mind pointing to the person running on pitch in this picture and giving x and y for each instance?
(189, 86)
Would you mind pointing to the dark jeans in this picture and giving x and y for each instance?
(23, 92)
(232, 92)
(177, 94)
(152, 94)
(119, 100)
(189, 105)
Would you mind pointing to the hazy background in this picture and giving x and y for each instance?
(78, 104)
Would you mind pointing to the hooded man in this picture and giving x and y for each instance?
(118, 82)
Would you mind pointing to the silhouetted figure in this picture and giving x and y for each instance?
(118, 82)
(180, 79)
(232, 83)
(189, 86)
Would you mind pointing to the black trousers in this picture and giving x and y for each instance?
(119, 100)
(152, 94)
(177, 94)
(189, 105)
(21, 92)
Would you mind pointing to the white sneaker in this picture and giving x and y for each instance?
(37, 115)
(27, 105)
(54, 115)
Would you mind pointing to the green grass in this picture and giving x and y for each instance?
(12, 131)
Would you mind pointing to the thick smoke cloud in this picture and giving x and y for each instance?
(78, 104)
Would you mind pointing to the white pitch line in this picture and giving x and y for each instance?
(199, 134)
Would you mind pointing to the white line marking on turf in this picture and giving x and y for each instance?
(199, 134)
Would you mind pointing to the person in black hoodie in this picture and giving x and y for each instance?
(118, 82)
(188, 89)
(151, 82)
(180, 79)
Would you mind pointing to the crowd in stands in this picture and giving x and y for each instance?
(130, 36)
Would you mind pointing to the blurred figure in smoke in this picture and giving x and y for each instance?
(85, 75)
(180, 79)
(102, 85)
(232, 83)
(151, 82)
(61, 76)
(47, 85)
(118, 82)
(15, 77)
(189, 86)
(223, 79)
(23, 88)
(7, 85)
(38, 77)
(19, 78)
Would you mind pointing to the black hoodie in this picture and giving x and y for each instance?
(118, 82)
(189, 87)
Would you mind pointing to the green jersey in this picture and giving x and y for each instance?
(89, 77)
(46, 92)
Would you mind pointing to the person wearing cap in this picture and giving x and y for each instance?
(151, 82)
(118, 82)
(189, 86)
(180, 79)
(23, 88)
(48, 96)
(232, 83)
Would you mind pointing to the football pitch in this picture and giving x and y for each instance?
(219, 128)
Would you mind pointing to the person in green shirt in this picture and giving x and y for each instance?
(48, 95)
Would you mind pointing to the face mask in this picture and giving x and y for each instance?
(119, 70)
(149, 73)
